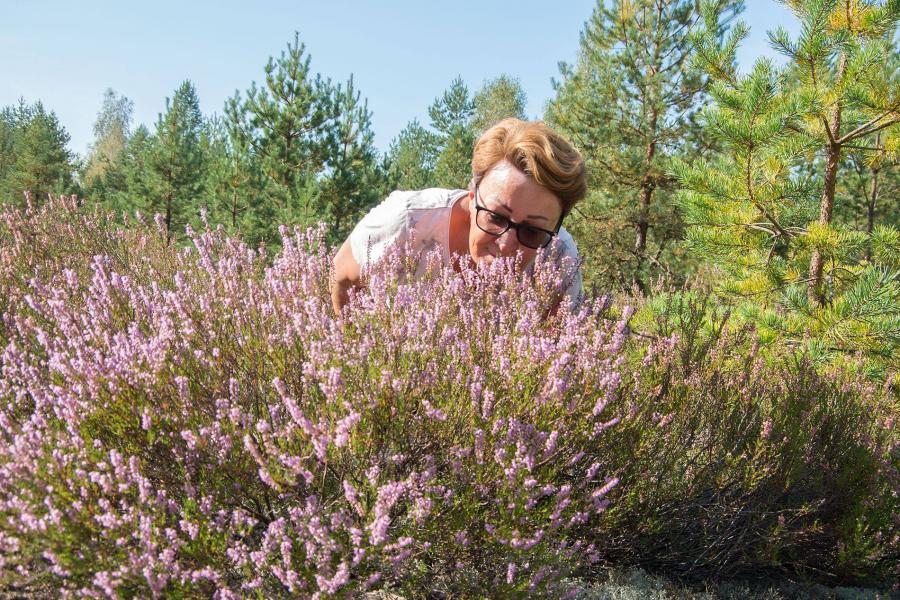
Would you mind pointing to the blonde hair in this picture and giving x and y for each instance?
(536, 150)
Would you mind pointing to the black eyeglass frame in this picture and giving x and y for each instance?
(510, 224)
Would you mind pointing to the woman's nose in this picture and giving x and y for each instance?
(508, 242)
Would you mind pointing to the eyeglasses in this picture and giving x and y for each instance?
(496, 224)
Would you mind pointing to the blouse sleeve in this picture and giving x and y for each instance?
(384, 225)
(569, 251)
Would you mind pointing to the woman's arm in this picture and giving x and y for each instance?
(346, 276)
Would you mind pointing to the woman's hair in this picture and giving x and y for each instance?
(536, 150)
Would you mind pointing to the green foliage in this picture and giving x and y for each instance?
(111, 131)
(498, 99)
(234, 183)
(453, 167)
(442, 157)
(299, 150)
(411, 158)
(286, 123)
(354, 181)
(175, 161)
(452, 110)
(451, 117)
(33, 154)
(135, 171)
(628, 106)
(762, 210)
(747, 459)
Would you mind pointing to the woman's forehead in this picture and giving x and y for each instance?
(504, 186)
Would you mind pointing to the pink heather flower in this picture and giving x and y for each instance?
(388, 495)
(550, 446)
(600, 427)
(538, 577)
(479, 446)
(352, 497)
(433, 413)
(146, 419)
(599, 493)
(344, 427)
(190, 527)
(510, 573)
(104, 581)
(575, 459)
(340, 579)
(487, 404)
(211, 323)
(370, 581)
(766, 429)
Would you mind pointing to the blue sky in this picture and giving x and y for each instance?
(403, 53)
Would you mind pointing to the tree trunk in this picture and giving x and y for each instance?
(168, 221)
(814, 290)
(233, 210)
(870, 212)
(642, 226)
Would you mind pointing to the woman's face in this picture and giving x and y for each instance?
(508, 191)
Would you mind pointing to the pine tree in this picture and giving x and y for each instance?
(176, 160)
(33, 154)
(497, 99)
(441, 156)
(138, 177)
(354, 180)
(839, 58)
(627, 104)
(9, 131)
(286, 124)
(111, 129)
(411, 158)
(235, 183)
(867, 189)
(451, 116)
(762, 211)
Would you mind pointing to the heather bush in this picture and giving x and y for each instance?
(65, 234)
(746, 462)
(211, 428)
(194, 421)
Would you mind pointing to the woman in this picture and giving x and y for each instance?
(525, 179)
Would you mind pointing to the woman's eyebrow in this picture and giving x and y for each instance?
(509, 210)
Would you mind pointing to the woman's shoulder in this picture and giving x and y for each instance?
(429, 198)
(567, 243)
(397, 209)
(393, 220)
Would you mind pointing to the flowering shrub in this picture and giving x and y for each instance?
(184, 422)
(196, 422)
(744, 461)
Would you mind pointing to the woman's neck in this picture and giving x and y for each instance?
(458, 236)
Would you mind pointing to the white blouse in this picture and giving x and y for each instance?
(423, 217)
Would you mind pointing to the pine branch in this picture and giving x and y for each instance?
(866, 128)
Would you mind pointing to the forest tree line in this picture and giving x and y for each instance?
(776, 189)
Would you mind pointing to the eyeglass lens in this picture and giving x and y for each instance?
(496, 224)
